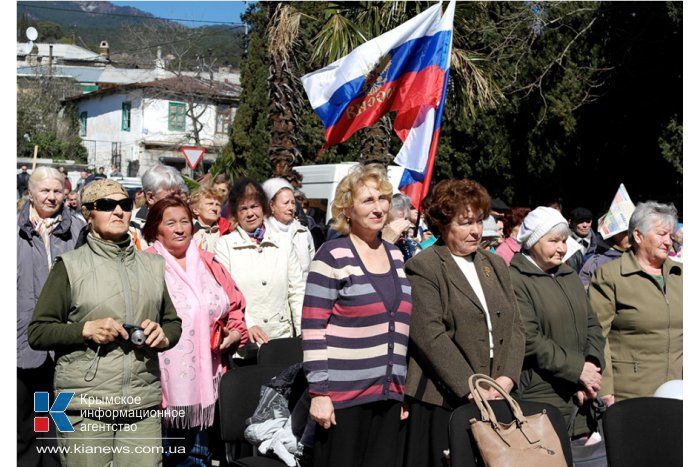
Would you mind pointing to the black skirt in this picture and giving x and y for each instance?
(427, 435)
(369, 435)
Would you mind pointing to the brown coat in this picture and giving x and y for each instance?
(449, 338)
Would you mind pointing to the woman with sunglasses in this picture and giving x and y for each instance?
(205, 296)
(106, 312)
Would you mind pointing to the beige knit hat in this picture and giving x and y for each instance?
(97, 190)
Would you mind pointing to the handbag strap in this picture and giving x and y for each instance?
(476, 380)
(599, 408)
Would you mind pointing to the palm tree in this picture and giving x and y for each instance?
(285, 88)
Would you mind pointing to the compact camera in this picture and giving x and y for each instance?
(136, 334)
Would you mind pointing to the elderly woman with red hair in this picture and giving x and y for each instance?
(465, 319)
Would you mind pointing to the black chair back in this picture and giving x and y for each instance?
(281, 351)
(644, 431)
(239, 394)
(463, 449)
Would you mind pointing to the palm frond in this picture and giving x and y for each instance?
(283, 32)
(337, 38)
(379, 17)
(473, 81)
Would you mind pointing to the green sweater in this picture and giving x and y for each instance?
(98, 280)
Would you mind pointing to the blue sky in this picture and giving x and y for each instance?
(214, 12)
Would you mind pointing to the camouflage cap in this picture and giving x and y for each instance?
(99, 189)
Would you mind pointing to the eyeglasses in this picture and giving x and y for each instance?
(109, 205)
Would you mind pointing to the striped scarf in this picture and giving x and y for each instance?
(257, 234)
(44, 227)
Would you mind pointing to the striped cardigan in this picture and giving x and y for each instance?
(354, 348)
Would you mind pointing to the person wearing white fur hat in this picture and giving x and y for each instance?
(283, 208)
(563, 340)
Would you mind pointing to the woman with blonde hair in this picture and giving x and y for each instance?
(45, 229)
(355, 323)
(209, 225)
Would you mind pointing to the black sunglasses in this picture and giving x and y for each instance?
(109, 205)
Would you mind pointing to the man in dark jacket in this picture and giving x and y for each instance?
(22, 181)
(581, 225)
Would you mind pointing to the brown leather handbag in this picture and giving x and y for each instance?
(525, 442)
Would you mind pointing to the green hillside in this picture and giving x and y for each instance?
(133, 35)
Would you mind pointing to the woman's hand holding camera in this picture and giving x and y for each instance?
(103, 331)
(155, 336)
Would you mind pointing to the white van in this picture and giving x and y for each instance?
(320, 181)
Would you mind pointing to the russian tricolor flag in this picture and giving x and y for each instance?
(405, 71)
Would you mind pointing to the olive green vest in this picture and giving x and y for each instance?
(107, 280)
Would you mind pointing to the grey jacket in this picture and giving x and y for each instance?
(32, 271)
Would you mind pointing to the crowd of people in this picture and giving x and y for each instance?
(141, 304)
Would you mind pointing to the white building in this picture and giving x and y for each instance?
(94, 71)
(135, 126)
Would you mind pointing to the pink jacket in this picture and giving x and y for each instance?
(508, 249)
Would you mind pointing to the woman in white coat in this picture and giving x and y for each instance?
(263, 264)
(282, 220)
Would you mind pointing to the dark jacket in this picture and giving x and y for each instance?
(449, 338)
(561, 330)
(596, 261)
(32, 271)
(22, 182)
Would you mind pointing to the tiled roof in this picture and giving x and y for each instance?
(176, 85)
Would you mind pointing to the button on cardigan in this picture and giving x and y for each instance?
(354, 346)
